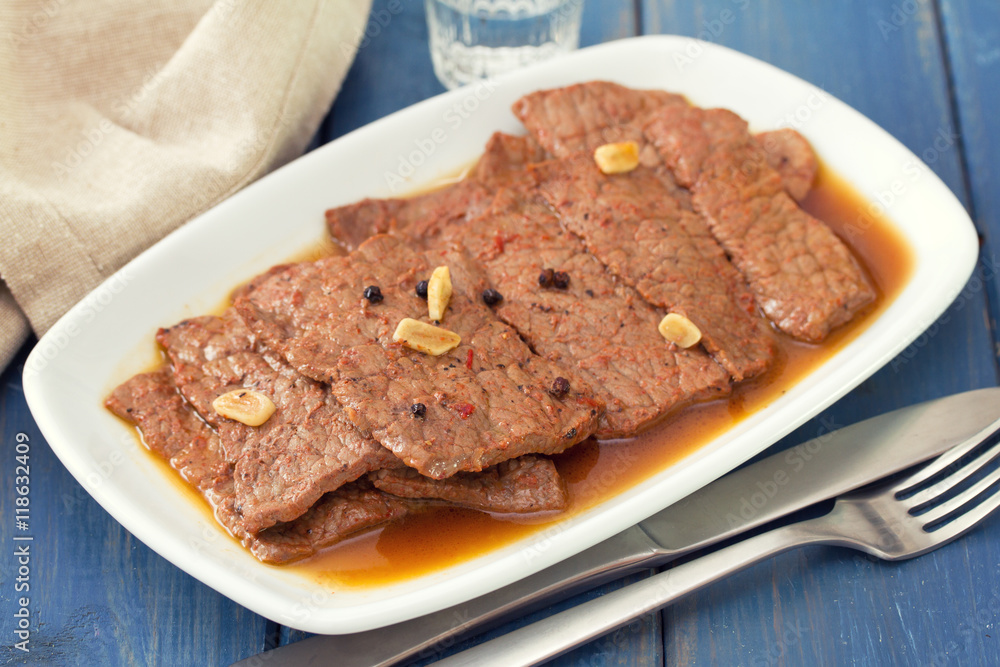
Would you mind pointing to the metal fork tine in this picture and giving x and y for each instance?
(955, 478)
(966, 521)
(945, 460)
(952, 504)
(872, 520)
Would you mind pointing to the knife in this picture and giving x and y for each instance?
(816, 470)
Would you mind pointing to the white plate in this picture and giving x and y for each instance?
(107, 337)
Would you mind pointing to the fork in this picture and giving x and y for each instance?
(893, 520)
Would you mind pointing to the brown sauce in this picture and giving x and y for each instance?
(438, 537)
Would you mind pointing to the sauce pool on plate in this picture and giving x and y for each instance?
(437, 537)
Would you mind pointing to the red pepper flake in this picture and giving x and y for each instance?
(500, 241)
(468, 361)
(464, 410)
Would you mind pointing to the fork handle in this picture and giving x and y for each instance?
(561, 632)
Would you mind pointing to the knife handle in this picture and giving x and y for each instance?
(551, 637)
(629, 551)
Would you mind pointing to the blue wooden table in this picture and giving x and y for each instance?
(926, 70)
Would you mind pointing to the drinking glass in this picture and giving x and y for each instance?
(478, 39)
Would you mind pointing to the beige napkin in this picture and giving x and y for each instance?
(122, 119)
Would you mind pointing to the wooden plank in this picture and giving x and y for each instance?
(393, 68)
(972, 38)
(375, 87)
(391, 71)
(97, 595)
(607, 20)
(111, 600)
(824, 606)
(781, 33)
(636, 644)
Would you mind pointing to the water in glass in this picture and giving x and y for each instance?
(478, 39)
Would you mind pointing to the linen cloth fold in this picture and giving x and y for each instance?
(122, 119)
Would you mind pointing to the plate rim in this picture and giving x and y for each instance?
(580, 530)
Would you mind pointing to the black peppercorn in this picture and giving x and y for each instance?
(570, 434)
(422, 289)
(373, 294)
(418, 409)
(560, 387)
(560, 280)
(492, 297)
(545, 277)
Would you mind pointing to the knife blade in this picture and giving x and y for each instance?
(816, 470)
